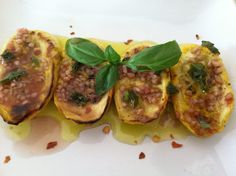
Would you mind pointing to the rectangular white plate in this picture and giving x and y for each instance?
(94, 153)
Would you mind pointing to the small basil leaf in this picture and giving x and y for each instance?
(112, 55)
(203, 123)
(7, 55)
(84, 51)
(210, 46)
(198, 73)
(106, 78)
(131, 98)
(156, 58)
(14, 75)
(78, 99)
(171, 89)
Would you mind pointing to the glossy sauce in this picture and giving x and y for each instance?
(166, 127)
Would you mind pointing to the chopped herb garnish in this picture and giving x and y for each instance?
(131, 98)
(198, 73)
(171, 89)
(78, 99)
(210, 46)
(35, 61)
(13, 76)
(203, 123)
(75, 67)
(7, 55)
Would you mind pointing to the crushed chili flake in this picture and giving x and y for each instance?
(197, 36)
(128, 41)
(7, 159)
(106, 130)
(51, 145)
(72, 33)
(176, 145)
(156, 138)
(229, 98)
(141, 155)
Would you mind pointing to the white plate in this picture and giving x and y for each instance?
(94, 153)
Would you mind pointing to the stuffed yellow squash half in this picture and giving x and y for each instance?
(140, 96)
(28, 74)
(75, 95)
(205, 98)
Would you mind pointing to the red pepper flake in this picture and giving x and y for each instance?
(7, 159)
(72, 33)
(106, 130)
(128, 41)
(229, 98)
(141, 155)
(176, 145)
(51, 145)
(197, 36)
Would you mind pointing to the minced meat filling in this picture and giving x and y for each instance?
(77, 83)
(19, 57)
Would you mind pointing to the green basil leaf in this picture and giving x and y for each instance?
(172, 89)
(14, 75)
(156, 58)
(84, 51)
(35, 62)
(203, 123)
(8, 55)
(210, 46)
(131, 98)
(106, 78)
(198, 73)
(78, 99)
(112, 55)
